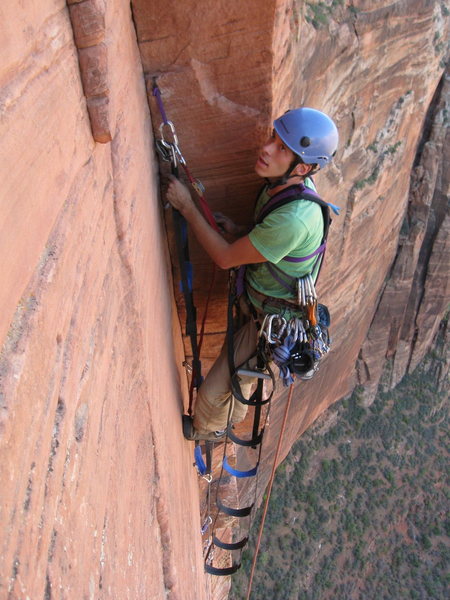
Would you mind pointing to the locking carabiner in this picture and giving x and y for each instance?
(174, 144)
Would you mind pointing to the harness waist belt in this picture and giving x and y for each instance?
(277, 302)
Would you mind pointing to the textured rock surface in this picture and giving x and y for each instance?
(99, 498)
(417, 291)
(88, 19)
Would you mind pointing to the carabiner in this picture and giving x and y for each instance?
(180, 156)
(174, 144)
(282, 328)
(172, 130)
(206, 524)
(164, 149)
(262, 330)
(269, 330)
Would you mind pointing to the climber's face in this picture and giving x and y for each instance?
(274, 159)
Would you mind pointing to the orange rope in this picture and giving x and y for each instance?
(269, 490)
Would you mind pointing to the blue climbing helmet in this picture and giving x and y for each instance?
(310, 134)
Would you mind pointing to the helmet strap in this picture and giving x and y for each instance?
(284, 179)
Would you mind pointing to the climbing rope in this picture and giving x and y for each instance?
(269, 490)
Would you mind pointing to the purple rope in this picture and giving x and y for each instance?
(157, 95)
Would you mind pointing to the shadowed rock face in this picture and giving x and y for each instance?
(99, 498)
(416, 293)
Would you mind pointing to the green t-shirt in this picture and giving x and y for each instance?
(295, 229)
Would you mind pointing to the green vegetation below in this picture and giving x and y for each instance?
(360, 507)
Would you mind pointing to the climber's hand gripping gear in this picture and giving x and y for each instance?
(179, 196)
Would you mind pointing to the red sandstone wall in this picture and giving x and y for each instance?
(98, 497)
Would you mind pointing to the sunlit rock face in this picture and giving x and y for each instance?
(99, 496)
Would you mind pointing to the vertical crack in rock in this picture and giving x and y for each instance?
(59, 416)
(13, 577)
(48, 588)
(54, 446)
(169, 571)
(51, 548)
(102, 558)
(427, 204)
(29, 490)
(354, 20)
(89, 32)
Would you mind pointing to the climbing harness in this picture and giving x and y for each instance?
(296, 345)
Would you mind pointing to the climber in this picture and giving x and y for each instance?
(302, 141)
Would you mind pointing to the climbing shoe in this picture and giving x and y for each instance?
(190, 433)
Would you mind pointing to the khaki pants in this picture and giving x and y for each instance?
(214, 395)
